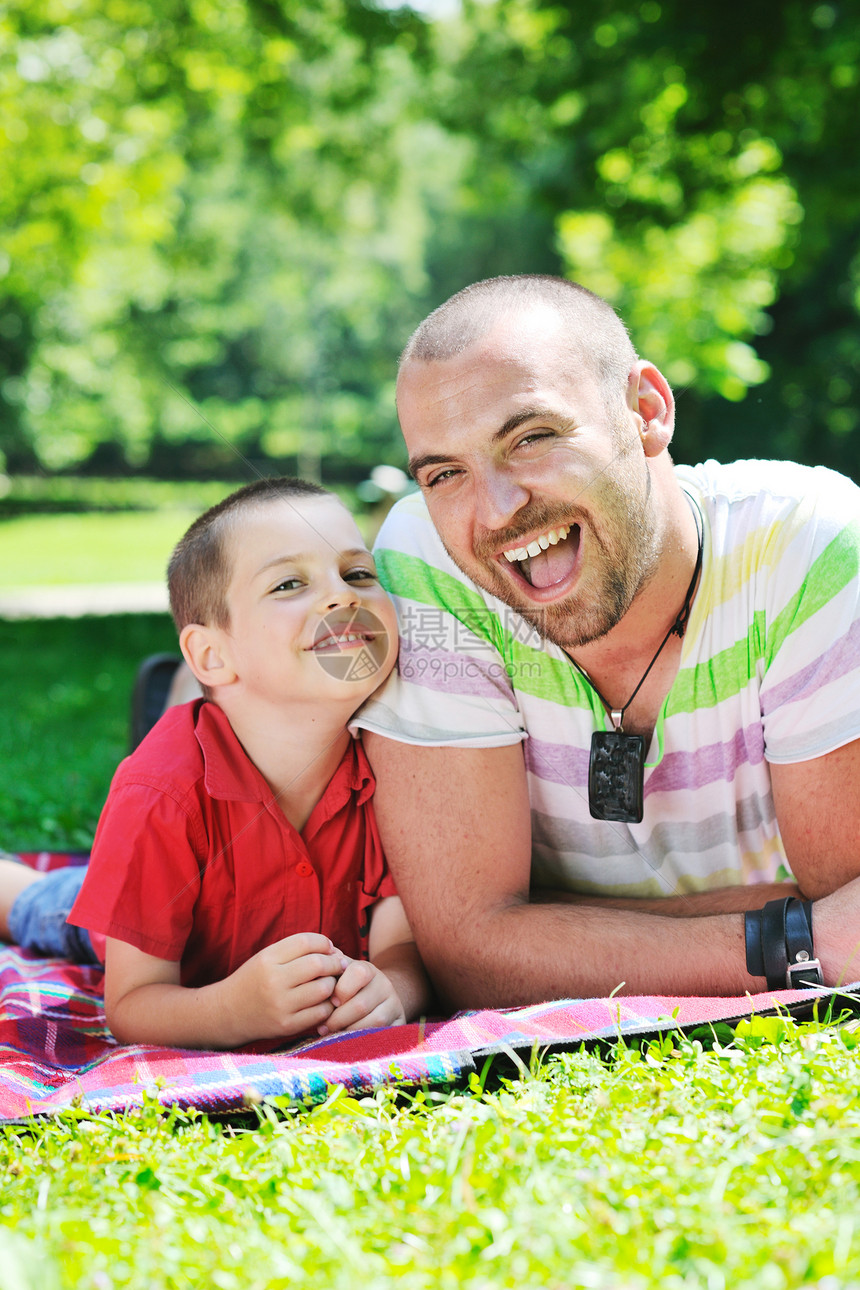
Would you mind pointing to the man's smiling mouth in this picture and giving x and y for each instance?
(548, 558)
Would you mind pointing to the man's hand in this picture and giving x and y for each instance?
(363, 997)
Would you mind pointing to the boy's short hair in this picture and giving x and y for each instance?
(200, 567)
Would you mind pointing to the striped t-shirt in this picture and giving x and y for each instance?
(769, 672)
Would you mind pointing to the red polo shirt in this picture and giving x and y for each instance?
(194, 861)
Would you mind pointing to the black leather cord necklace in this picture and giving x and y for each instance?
(616, 765)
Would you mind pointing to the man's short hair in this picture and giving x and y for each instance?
(200, 567)
(596, 333)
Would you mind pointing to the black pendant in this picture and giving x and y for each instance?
(616, 774)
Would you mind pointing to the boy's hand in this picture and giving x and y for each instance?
(363, 997)
(285, 988)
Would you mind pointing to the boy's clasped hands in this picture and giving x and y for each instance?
(304, 983)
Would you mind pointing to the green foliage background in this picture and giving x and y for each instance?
(220, 220)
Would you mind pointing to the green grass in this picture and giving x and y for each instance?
(673, 1166)
(679, 1164)
(65, 686)
(106, 546)
(54, 550)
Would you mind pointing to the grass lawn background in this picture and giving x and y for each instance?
(55, 550)
(710, 1162)
(65, 687)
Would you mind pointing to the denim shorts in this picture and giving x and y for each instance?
(37, 920)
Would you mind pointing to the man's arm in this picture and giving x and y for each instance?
(721, 900)
(455, 825)
(818, 808)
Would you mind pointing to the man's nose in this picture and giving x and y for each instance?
(498, 497)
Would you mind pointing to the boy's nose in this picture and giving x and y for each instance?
(337, 597)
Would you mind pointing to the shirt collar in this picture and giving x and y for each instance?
(230, 775)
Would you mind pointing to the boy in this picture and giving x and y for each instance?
(237, 873)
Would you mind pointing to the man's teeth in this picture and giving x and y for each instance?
(538, 544)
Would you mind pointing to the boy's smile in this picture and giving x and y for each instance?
(308, 618)
(351, 646)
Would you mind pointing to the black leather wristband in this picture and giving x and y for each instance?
(779, 946)
(803, 967)
(773, 947)
(752, 939)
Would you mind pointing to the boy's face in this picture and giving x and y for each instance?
(308, 618)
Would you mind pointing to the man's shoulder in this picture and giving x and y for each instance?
(776, 482)
(407, 525)
(781, 507)
(412, 560)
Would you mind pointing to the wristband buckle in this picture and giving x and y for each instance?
(804, 972)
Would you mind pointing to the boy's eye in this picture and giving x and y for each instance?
(289, 584)
(360, 575)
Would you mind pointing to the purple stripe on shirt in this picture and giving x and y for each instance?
(708, 765)
(834, 663)
(455, 674)
(556, 763)
(561, 764)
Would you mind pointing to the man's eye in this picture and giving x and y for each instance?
(534, 436)
(441, 477)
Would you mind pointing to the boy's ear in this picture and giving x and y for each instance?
(204, 650)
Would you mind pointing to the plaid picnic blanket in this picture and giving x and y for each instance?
(55, 1050)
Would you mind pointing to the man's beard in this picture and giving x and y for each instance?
(628, 550)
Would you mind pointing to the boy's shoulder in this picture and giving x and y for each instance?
(191, 748)
(192, 752)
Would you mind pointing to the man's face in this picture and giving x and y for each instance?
(518, 456)
(308, 618)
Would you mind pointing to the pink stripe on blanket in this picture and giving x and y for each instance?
(55, 1048)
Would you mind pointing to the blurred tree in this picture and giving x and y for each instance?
(214, 222)
(699, 165)
(219, 222)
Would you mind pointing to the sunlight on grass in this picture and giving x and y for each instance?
(55, 550)
(675, 1163)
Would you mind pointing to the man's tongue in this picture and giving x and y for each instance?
(553, 565)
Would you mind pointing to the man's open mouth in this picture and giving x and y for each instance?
(548, 558)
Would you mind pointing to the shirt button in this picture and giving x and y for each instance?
(304, 868)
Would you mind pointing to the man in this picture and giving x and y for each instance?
(563, 590)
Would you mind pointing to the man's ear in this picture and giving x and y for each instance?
(649, 394)
(205, 651)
